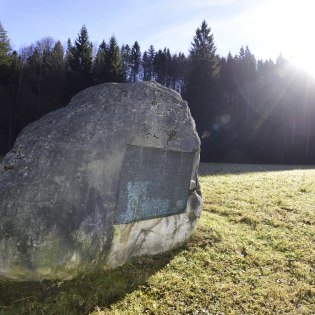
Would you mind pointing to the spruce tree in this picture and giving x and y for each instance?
(228, 82)
(126, 63)
(79, 60)
(151, 56)
(145, 67)
(176, 72)
(99, 65)
(201, 82)
(202, 91)
(148, 64)
(203, 44)
(135, 61)
(246, 78)
(162, 66)
(56, 77)
(113, 62)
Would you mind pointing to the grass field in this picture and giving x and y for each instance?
(253, 253)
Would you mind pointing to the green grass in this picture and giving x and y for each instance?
(253, 253)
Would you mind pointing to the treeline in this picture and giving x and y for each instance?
(245, 110)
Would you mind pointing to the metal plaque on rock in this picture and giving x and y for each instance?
(154, 183)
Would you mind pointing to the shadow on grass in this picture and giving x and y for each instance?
(223, 169)
(82, 294)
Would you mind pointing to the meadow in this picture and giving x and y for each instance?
(253, 252)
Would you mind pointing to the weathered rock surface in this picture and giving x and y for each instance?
(110, 176)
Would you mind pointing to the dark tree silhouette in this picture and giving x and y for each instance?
(135, 61)
(202, 91)
(113, 62)
(245, 110)
(79, 62)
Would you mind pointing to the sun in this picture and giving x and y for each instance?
(291, 26)
(298, 40)
(303, 63)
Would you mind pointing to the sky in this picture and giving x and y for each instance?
(268, 27)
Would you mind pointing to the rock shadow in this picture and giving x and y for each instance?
(82, 294)
(224, 169)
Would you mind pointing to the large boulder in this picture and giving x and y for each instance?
(110, 176)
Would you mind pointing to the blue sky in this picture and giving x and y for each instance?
(263, 25)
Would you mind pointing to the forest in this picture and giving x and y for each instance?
(246, 110)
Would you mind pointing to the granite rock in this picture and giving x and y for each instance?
(110, 176)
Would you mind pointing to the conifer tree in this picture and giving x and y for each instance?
(113, 62)
(151, 56)
(79, 60)
(202, 90)
(148, 64)
(99, 65)
(145, 67)
(177, 70)
(162, 62)
(203, 44)
(201, 82)
(56, 76)
(228, 82)
(135, 61)
(126, 63)
(246, 78)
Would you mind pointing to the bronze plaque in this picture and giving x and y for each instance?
(154, 183)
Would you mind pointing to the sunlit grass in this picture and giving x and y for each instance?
(253, 253)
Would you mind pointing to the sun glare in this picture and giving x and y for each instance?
(291, 25)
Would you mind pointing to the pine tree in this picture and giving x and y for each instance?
(201, 82)
(145, 67)
(202, 90)
(162, 62)
(203, 44)
(42, 54)
(113, 62)
(69, 55)
(151, 56)
(246, 78)
(126, 63)
(228, 82)
(99, 65)
(135, 61)
(177, 72)
(55, 79)
(79, 60)
(148, 64)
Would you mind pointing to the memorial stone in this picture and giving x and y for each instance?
(110, 176)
